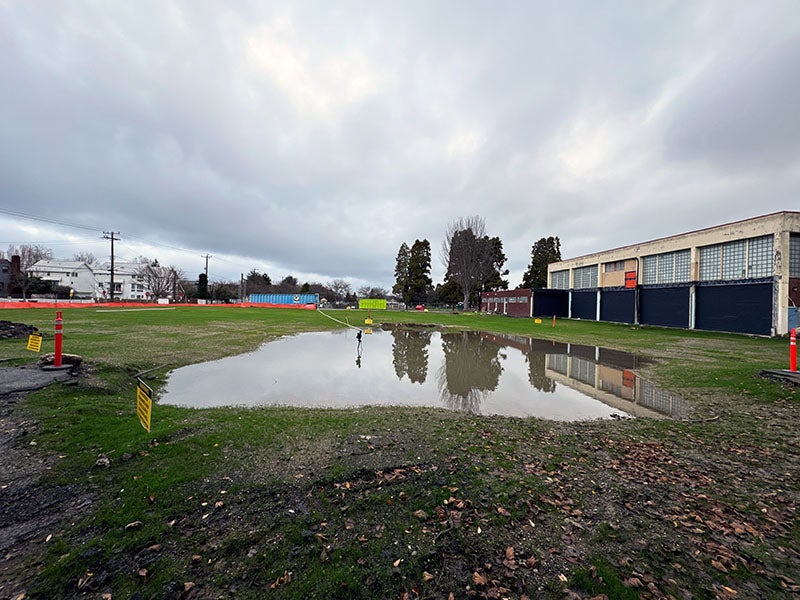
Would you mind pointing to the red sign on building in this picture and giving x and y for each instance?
(630, 279)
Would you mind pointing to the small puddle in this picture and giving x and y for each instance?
(481, 373)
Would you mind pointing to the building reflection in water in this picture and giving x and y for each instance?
(472, 366)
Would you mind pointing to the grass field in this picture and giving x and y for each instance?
(382, 503)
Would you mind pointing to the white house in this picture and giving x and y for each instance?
(94, 281)
(128, 284)
(76, 275)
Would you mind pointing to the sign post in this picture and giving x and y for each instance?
(144, 403)
(35, 342)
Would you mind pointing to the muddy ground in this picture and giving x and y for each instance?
(29, 511)
(705, 508)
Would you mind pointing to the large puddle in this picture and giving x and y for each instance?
(481, 373)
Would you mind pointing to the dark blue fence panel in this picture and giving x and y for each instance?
(584, 305)
(738, 307)
(665, 306)
(548, 303)
(618, 306)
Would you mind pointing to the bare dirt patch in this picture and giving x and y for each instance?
(30, 510)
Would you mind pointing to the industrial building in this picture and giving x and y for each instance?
(740, 277)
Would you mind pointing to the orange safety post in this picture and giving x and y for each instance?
(554, 320)
(793, 350)
(59, 331)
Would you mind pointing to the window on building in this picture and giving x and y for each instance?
(759, 257)
(710, 262)
(612, 267)
(683, 265)
(650, 269)
(669, 267)
(741, 259)
(585, 277)
(559, 280)
(794, 255)
(734, 260)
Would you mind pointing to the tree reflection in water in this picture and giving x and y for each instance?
(471, 369)
(410, 354)
(536, 357)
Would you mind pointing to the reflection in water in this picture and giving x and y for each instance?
(471, 369)
(477, 372)
(410, 353)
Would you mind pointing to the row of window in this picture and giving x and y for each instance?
(509, 300)
(669, 267)
(741, 259)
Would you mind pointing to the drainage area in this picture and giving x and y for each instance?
(477, 372)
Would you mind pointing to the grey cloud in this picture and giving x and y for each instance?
(318, 139)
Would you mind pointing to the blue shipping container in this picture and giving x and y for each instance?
(285, 298)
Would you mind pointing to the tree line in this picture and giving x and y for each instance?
(164, 281)
(474, 263)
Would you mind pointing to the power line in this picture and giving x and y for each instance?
(15, 213)
(19, 214)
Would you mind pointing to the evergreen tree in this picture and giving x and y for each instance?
(202, 286)
(400, 287)
(258, 283)
(493, 278)
(543, 252)
(419, 268)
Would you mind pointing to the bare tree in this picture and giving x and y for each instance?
(161, 281)
(84, 257)
(466, 253)
(29, 255)
(341, 288)
(372, 292)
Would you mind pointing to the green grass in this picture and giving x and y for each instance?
(293, 479)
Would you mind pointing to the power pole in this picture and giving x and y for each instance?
(109, 235)
(206, 256)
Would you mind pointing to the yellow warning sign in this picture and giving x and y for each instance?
(35, 342)
(144, 403)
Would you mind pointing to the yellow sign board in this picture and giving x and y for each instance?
(144, 403)
(372, 303)
(35, 342)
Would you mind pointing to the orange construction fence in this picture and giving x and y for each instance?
(68, 304)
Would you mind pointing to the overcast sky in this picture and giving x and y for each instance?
(313, 138)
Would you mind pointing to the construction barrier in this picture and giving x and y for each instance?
(62, 305)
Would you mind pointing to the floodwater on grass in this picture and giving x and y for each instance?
(482, 373)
